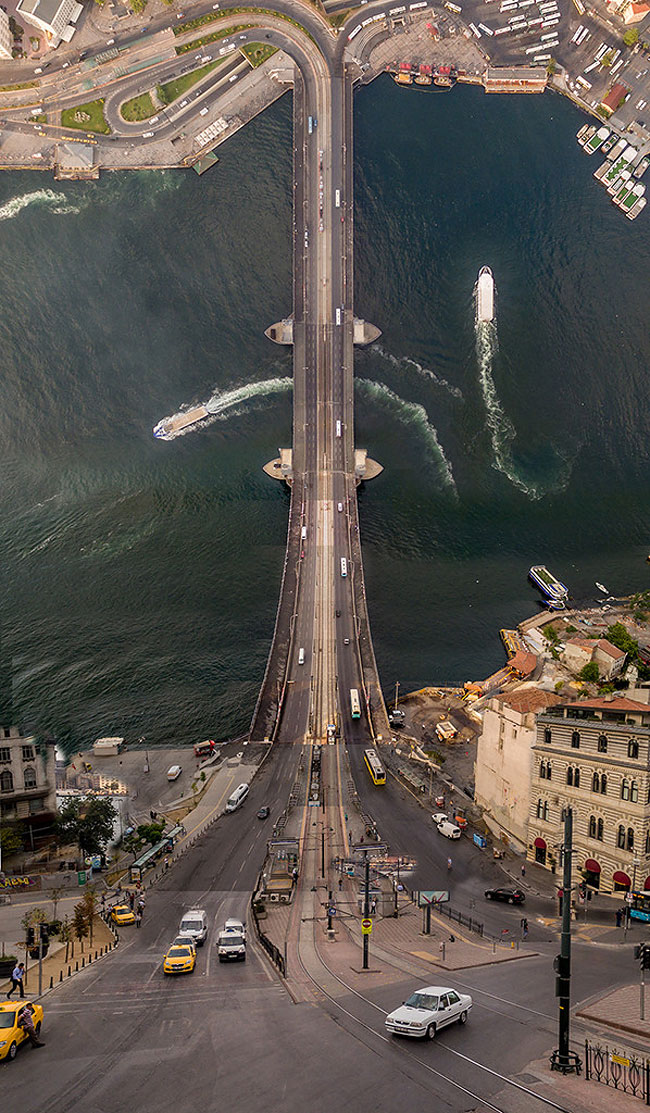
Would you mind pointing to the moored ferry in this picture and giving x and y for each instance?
(640, 170)
(597, 140)
(638, 208)
(548, 584)
(590, 132)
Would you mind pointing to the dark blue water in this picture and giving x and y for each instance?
(140, 579)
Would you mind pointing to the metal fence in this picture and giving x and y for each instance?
(461, 918)
(627, 1072)
(274, 953)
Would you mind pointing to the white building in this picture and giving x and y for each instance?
(6, 37)
(502, 768)
(27, 781)
(580, 651)
(56, 18)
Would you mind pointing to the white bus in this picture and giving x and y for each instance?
(344, 566)
(338, 315)
(337, 198)
(354, 32)
(338, 428)
(301, 656)
(303, 533)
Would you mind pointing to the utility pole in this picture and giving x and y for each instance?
(396, 693)
(563, 1059)
(366, 909)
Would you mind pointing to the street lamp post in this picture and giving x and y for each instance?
(629, 898)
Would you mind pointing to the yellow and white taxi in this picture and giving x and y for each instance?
(179, 960)
(122, 914)
(11, 1036)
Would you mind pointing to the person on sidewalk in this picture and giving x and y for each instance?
(524, 928)
(340, 884)
(523, 870)
(17, 980)
(26, 1022)
(373, 906)
(138, 918)
(619, 917)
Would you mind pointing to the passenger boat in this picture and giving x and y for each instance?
(424, 75)
(601, 587)
(554, 590)
(640, 170)
(636, 209)
(445, 77)
(608, 144)
(582, 132)
(404, 75)
(591, 131)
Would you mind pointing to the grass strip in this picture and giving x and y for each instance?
(172, 90)
(258, 53)
(86, 117)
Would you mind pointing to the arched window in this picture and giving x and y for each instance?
(595, 782)
(602, 743)
(632, 748)
(620, 838)
(575, 739)
(600, 828)
(30, 777)
(625, 789)
(634, 792)
(630, 838)
(6, 781)
(542, 770)
(603, 784)
(647, 842)
(569, 775)
(549, 771)
(576, 778)
(592, 826)
(547, 734)
(546, 809)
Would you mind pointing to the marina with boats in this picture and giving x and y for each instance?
(554, 591)
(622, 169)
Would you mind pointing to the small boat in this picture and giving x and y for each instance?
(640, 170)
(583, 131)
(607, 145)
(601, 587)
(636, 209)
(590, 132)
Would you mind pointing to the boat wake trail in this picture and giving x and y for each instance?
(502, 431)
(225, 404)
(55, 202)
(425, 372)
(412, 413)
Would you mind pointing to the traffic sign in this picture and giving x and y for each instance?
(331, 911)
(366, 927)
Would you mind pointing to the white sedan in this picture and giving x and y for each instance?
(439, 817)
(427, 1011)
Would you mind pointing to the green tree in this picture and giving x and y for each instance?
(11, 838)
(551, 67)
(607, 58)
(89, 902)
(80, 922)
(631, 36)
(150, 833)
(89, 823)
(550, 633)
(619, 636)
(55, 896)
(65, 935)
(589, 672)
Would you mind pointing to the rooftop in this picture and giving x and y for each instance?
(525, 700)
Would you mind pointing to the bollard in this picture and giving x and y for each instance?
(52, 982)
(61, 974)
(95, 956)
(90, 958)
(76, 966)
(69, 970)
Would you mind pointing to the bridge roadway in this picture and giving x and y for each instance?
(319, 607)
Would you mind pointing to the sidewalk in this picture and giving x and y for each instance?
(55, 967)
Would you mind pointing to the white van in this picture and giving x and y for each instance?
(344, 566)
(449, 829)
(173, 773)
(303, 533)
(195, 924)
(301, 656)
(237, 799)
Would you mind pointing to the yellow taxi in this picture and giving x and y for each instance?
(122, 914)
(11, 1036)
(179, 960)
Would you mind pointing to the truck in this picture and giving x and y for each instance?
(231, 947)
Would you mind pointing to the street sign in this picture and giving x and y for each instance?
(81, 877)
(331, 911)
(369, 848)
(622, 1062)
(431, 896)
(366, 927)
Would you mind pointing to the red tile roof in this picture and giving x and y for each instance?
(525, 700)
(611, 650)
(619, 703)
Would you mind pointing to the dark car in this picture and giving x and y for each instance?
(510, 896)
(264, 813)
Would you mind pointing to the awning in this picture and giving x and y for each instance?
(540, 844)
(592, 865)
(621, 878)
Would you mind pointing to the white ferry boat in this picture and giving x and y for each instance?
(485, 295)
(170, 427)
(636, 209)
(552, 588)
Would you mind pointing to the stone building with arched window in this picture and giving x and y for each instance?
(27, 782)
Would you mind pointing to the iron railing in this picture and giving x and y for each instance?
(625, 1071)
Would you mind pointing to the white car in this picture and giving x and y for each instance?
(449, 829)
(427, 1011)
(439, 817)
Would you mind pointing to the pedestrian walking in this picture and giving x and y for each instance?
(132, 900)
(17, 976)
(138, 918)
(167, 861)
(523, 870)
(294, 877)
(373, 906)
(619, 917)
(524, 927)
(26, 1022)
(340, 884)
